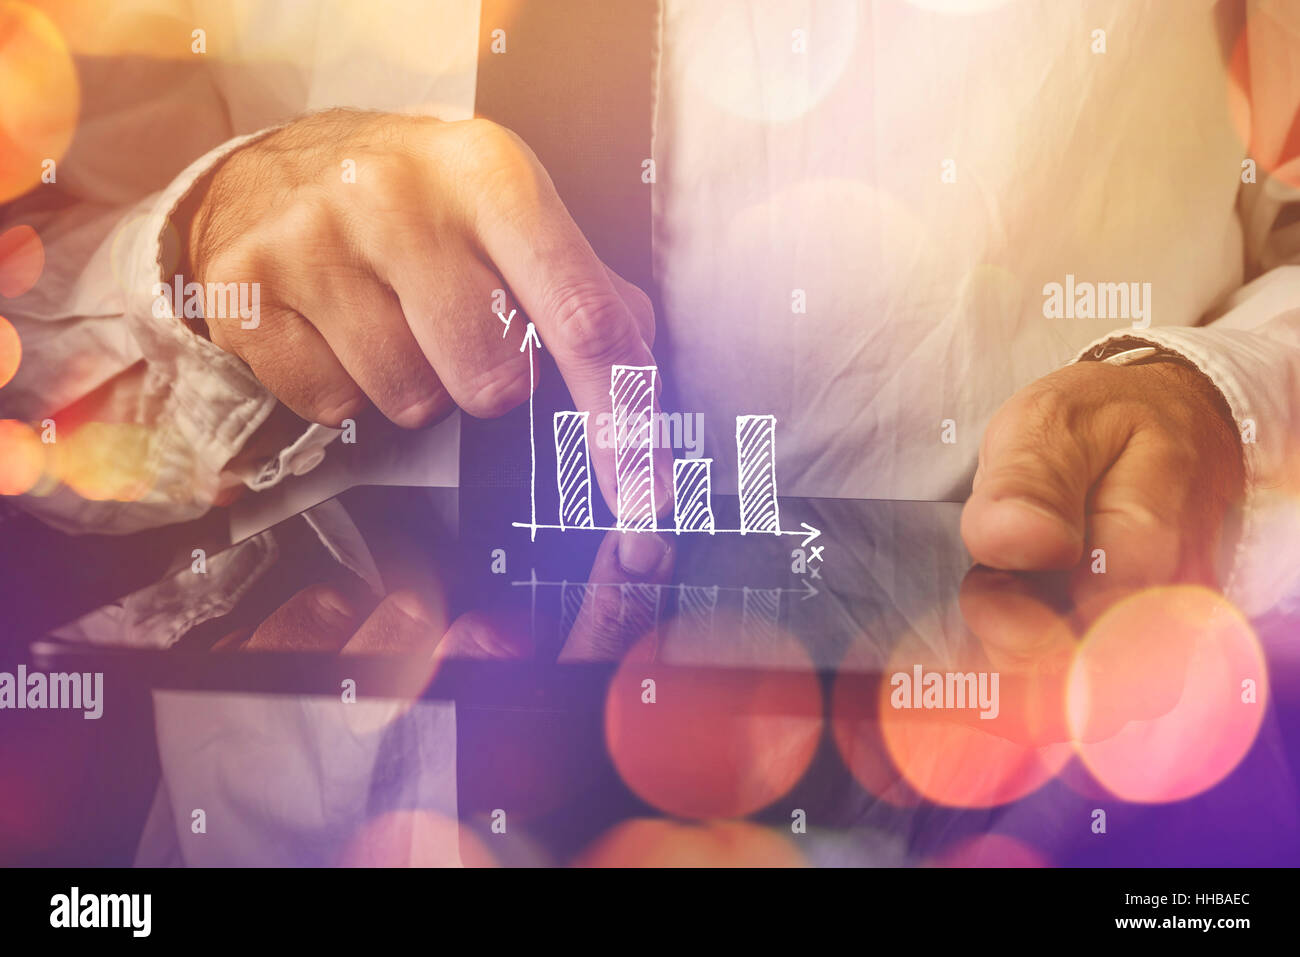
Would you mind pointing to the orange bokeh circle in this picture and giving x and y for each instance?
(11, 351)
(956, 757)
(22, 259)
(1166, 694)
(989, 850)
(39, 97)
(653, 842)
(22, 457)
(720, 740)
(415, 838)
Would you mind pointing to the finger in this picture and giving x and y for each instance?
(1040, 455)
(318, 619)
(480, 634)
(1017, 619)
(234, 641)
(363, 323)
(1028, 641)
(291, 358)
(621, 598)
(448, 308)
(1148, 524)
(565, 289)
(638, 303)
(404, 623)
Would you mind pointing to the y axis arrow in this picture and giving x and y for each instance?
(530, 343)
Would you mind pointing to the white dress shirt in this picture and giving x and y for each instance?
(916, 172)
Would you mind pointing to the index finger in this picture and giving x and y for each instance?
(585, 323)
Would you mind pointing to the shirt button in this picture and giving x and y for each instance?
(308, 462)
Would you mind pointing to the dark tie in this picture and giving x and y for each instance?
(575, 81)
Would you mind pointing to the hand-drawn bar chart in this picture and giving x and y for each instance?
(692, 495)
(756, 461)
(573, 469)
(632, 392)
(644, 606)
(632, 398)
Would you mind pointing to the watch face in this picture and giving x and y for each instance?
(1128, 356)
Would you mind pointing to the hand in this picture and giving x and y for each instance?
(381, 290)
(615, 613)
(332, 618)
(620, 600)
(1143, 462)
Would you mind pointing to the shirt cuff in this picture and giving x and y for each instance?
(1236, 364)
(208, 399)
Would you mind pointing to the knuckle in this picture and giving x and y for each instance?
(417, 410)
(488, 146)
(592, 325)
(486, 138)
(323, 603)
(498, 390)
(497, 163)
(642, 308)
(333, 403)
(604, 615)
(384, 181)
(305, 226)
(641, 302)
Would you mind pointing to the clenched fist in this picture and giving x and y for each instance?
(1143, 462)
(379, 288)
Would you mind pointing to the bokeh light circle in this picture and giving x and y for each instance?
(22, 457)
(1259, 98)
(653, 842)
(855, 729)
(415, 838)
(1166, 694)
(39, 97)
(722, 740)
(989, 850)
(11, 351)
(107, 461)
(955, 757)
(793, 81)
(959, 7)
(22, 260)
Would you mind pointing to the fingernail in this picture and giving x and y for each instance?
(1044, 510)
(334, 604)
(639, 553)
(411, 606)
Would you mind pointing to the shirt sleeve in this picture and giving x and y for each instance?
(146, 415)
(1249, 346)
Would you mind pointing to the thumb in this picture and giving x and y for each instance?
(1037, 464)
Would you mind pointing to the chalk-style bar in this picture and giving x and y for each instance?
(695, 607)
(760, 614)
(692, 500)
(632, 389)
(638, 610)
(756, 464)
(573, 469)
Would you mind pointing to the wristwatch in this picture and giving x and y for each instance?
(1130, 352)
